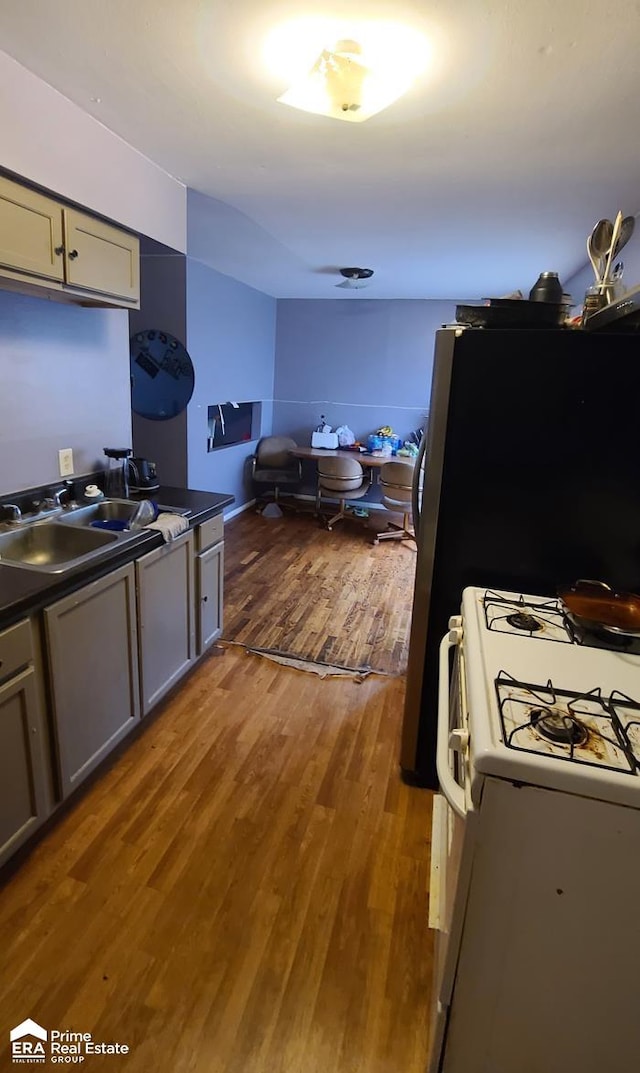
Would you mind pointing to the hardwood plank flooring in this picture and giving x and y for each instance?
(333, 596)
(244, 890)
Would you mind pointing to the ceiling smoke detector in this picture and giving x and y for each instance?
(355, 278)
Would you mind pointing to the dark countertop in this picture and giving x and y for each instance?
(25, 591)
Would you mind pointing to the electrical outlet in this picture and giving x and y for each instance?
(65, 462)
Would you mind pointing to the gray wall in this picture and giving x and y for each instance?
(163, 305)
(360, 362)
(231, 340)
(64, 372)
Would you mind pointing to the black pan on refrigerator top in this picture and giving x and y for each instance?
(512, 313)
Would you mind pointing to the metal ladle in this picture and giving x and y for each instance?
(599, 245)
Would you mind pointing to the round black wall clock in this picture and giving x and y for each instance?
(162, 375)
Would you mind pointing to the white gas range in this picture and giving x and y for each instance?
(535, 882)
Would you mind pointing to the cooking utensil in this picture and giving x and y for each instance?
(614, 238)
(595, 605)
(627, 228)
(598, 245)
(512, 313)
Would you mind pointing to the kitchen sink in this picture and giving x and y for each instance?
(54, 548)
(107, 510)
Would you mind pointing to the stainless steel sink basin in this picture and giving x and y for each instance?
(107, 510)
(51, 547)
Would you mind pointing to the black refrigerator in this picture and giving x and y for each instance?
(531, 480)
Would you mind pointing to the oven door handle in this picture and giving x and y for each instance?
(452, 791)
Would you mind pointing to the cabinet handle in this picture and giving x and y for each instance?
(59, 250)
(204, 599)
(73, 254)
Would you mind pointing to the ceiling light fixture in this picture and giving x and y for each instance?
(353, 77)
(355, 278)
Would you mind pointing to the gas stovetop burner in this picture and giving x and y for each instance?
(558, 726)
(530, 616)
(592, 728)
(522, 620)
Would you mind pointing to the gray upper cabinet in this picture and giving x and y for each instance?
(166, 618)
(24, 794)
(46, 246)
(30, 232)
(92, 649)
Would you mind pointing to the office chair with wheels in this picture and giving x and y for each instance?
(342, 479)
(396, 480)
(273, 465)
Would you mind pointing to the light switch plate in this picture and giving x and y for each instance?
(65, 462)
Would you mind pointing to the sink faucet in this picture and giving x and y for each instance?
(17, 513)
(57, 496)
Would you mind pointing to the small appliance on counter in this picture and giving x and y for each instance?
(142, 475)
(116, 481)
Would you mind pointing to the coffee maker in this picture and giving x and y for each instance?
(142, 475)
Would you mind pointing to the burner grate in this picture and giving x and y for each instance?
(525, 617)
(584, 728)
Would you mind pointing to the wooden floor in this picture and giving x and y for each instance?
(329, 596)
(244, 890)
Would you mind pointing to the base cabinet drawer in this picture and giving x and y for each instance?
(23, 780)
(209, 586)
(166, 617)
(93, 669)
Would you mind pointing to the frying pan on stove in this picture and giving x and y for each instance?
(596, 606)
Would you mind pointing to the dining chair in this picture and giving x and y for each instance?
(342, 479)
(273, 465)
(396, 480)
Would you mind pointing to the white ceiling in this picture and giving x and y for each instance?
(493, 168)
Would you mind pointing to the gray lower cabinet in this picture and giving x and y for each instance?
(165, 617)
(209, 582)
(24, 795)
(93, 667)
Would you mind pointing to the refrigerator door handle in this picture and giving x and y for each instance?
(454, 793)
(415, 484)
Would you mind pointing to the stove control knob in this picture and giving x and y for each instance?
(455, 622)
(459, 740)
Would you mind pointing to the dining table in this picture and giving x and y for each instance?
(363, 457)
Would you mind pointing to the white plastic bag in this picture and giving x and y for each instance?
(345, 436)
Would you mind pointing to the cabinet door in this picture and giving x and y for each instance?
(210, 573)
(23, 794)
(100, 257)
(165, 617)
(92, 647)
(30, 231)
